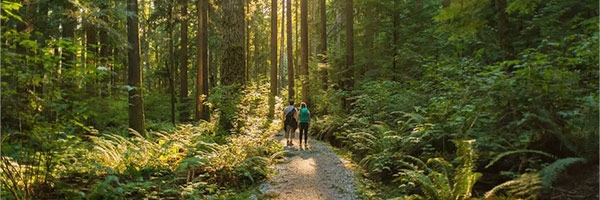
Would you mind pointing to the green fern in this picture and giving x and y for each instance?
(527, 186)
(507, 153)
(427, 186)
(465, 178)
(446, 183)
(553, 171)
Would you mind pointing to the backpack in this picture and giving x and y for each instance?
(304, 115)
(289, 118)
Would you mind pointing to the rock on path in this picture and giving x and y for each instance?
(316, 172)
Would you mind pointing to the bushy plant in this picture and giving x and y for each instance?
(440, 179)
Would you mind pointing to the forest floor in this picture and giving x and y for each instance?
(313, 172)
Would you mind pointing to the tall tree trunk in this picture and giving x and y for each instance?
(323, 37)
(290, 51)
(68, 32)
(91, 55)
(171, 62)
(136, 100)
(296, 53)
(247, 44)
(304, 48)
(282, 48)
(183, 68)
(105, 50)
(503, 31)
(273, 58)
(202, 71)
(395, 24)
(348, 78)
(232, 69)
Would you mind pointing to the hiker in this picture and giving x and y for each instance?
(290, 114)
(304, 117)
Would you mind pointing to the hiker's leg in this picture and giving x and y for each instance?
(300, 137)
(306, 133)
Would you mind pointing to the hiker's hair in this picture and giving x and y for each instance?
(303, 105)
(291, 102)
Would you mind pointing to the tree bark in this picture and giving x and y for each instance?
(136, 100)
(171, 62)
(68, 32)
(323, 49)
(503, 31)
(348, 78)
(290, 51)
(304, 48)
(232, 69)
(183, 67)
(105, 50)
(282, 48)
(202, 74)
(273, 58)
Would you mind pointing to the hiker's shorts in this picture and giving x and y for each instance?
(289, 129)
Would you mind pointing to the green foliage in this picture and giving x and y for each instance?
(530, 185)
(500, 156)
(554, 170)
(8, 10)
(465, 19)
(522, 6)
(527, 186)
(224, 101)
(447, 182)
(28, 168)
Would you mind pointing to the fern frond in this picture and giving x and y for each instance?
(416, 160)
(527, 184)
(444, 190)
(465, 178)
(427, 185)
(553, 171)
(499, 156)
(439, 164)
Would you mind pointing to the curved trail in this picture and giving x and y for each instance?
(316, 172)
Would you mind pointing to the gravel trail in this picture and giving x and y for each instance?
(316, 172)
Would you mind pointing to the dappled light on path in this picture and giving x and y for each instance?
(315, 172)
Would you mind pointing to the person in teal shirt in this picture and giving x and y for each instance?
(304, 121)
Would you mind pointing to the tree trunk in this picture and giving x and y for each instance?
(323, 49)
(68, 32)
(290, 51)
(247, 44)
(171, 63)
(136, 100)
(183, 68)
(105, 50)
(348, 77)
(273, 58)
(304, 48)
(202, 74)
(90, 56)
(503, 31)
(395, 24)
(282, 48)
(232, 69)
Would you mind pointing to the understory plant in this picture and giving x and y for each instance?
(536, 182)
(440, 179)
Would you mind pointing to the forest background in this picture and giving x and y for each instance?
(168, 99)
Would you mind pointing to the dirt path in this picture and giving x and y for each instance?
(316, 172)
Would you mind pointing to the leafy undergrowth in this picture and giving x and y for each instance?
(199, 161)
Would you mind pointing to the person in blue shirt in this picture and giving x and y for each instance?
(304, 121)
